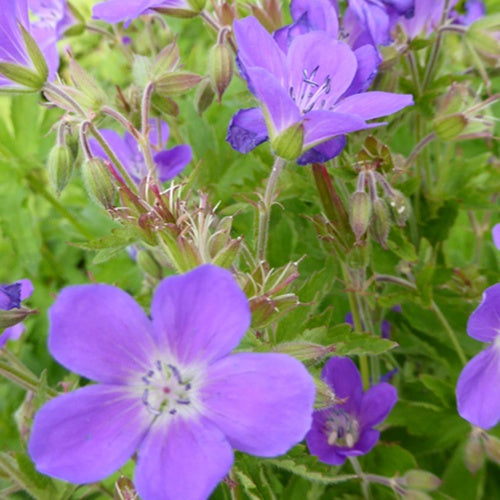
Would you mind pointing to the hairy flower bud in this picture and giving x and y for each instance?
(360, 211)
(288, 144)
(420, 480)
(60, 167)
(14, 316)
(149, 264)
(450, 126)
(221, 68)
(125, 490)
(492, 448)
(98, 182)
(381, 222)
(400, 207)
(174, 84)
(204, 96)
(474, 453)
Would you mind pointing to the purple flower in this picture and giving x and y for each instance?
(309, 93)
(115, 11)
(169, 163)
(426, 18)
(346, 430)
(474, 10)
(371, 21)
(13, 49)
(52, 14)
(496, 235)
(478, 387)
(11, 297)
(169, 388)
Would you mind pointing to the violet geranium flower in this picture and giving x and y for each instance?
(478, 387)
(308, 95)
(13, 49)
(169, 388)
(169, 163)
(11, 297)
(346, 430)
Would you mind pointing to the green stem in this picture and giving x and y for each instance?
(265, 207)
(358, 328)
(431, 63)
(39, 187)
(365, 485)
(450, 332)
(144, 140)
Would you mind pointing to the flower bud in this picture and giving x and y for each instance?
(482, 36)
(225, 257)
(98, 182)
(492, 448)
(400, 207)
(166, 61)
(14, 316)
(84, 82)
(174, 84)
(381, 222)
(324, 395)
(288, 144)
(204, 96)
(125, 490)
(221, 68)
(197, 5)
(420, 480)
(360, 211)
(474, 453)
(303, 351)
(60, 167)
(149, 265)
(450, 126)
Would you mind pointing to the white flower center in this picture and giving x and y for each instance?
(341, 429)
(165, 390)
(310, 93)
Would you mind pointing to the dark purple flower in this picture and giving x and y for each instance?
(115, 11)
(169, 163)
(12, 46)
(478, 387)
(169, 388)
(310, 92)
(346, 430)
(11, 297)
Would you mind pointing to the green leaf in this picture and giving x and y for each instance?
(298, 461)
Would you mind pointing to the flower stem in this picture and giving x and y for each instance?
(265, 208)
(358, 328)
(365, 485)
(144, 140)
(450, 332)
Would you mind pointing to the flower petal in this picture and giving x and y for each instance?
(343, 377)
(12, 333)
(317, 57)
(280, 107)
(368, 60)
(100, 332)
(317, 440)
(320, 126)
(484, 322)
(247, 129)
(201, 315)
(262, 402)
(317, 15)
(86, 435)
(496, 235)
(26, 288)
(367, 441)
(182, 459)
(478, 389)
(173, 161)
(323, 152)
(375, 104)
(377, 403)
(114, 11)
(257, 48)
